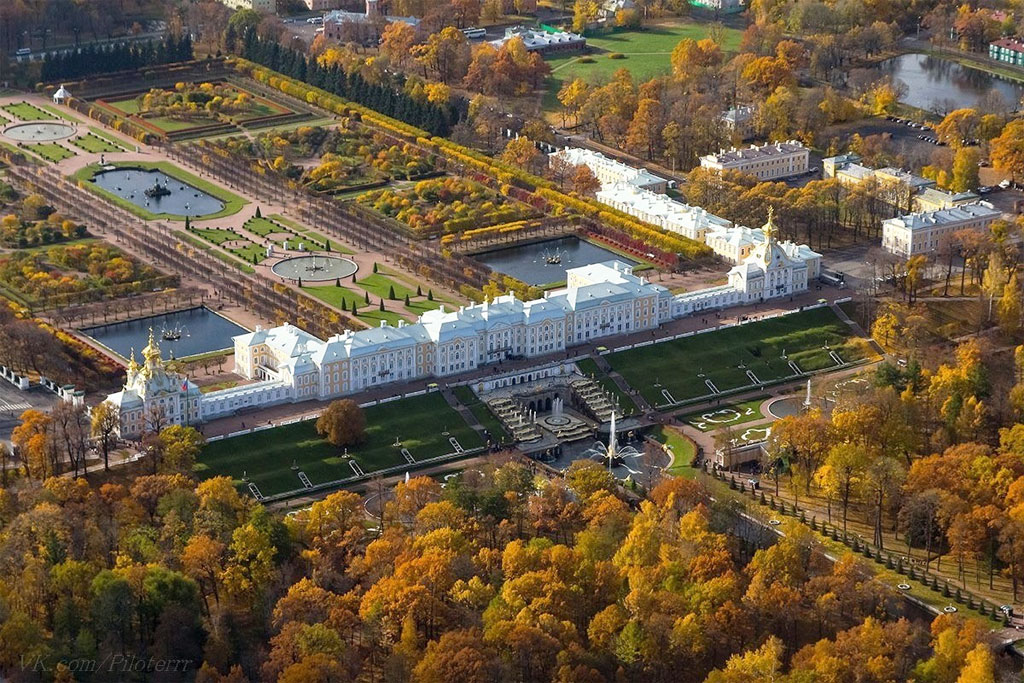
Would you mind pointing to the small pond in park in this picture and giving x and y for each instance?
(944, 85)
(157, 192)
(542, 263)
(182, 333)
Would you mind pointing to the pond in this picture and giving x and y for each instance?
(944, 85)
(180, 334)
(157, 192)
(533, 263)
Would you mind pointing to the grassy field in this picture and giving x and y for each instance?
(266, 457)
(232, 202)
(109, 137)
(646, 55)
(95, 144)
(28, 112)
(226, 258)
(51, 151)
(481, 412)
(725, 357)
(368, 313)
(730, 415)
(682, 448)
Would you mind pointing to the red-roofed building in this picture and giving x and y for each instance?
(1008, 50)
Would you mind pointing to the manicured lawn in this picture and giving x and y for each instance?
(730, 415)
(266, 457)
(339, 296)
(28, 112)
(481, 412)
(51, 151)
(216, 236)
(232, 202)
(106, 136)
(646, 53)
(725, 357)
(60, 114)
(249, 252)
(226, 258)
(95, 144)
(682, 448)
(263, 226)
(129, 106)
(380, 284)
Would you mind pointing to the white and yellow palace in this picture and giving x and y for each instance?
(287, 364)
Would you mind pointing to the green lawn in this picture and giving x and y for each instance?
(266, 457)
(724, 357)
(481, 412)
(263, 226)
(339, 296)
(60, 114)
(95, 144)
(232, 202)
(682, 449)
(51, 151)
(729, 415)
(107, 136)
(226, 258)
(216, 236)
(646, 53)
(28, 112)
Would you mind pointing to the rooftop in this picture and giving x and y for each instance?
(757, 152)
(956, 214)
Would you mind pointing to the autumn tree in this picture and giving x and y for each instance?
(342, 423)
(1007, 150)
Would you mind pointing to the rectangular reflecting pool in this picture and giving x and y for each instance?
(157, 192)
(533, 263)
(180, 334)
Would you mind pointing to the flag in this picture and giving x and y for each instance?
(184, 384)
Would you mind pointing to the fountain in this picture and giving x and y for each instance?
(314, 268)
(612, 453)
(807, 399)
(157, 190)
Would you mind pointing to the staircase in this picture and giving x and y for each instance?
(595, 398)
(515, 419)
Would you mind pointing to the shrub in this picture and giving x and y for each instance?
(585, 60)
(616, 55)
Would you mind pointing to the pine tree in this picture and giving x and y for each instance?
(406, 299)
(366, 298)
(430, 295)
(374, 266)
(391, 292)
(258, 213)
(382, 304)
(419, 291)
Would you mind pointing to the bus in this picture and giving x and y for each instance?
(473, 32)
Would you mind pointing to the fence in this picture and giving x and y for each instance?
(14, 378)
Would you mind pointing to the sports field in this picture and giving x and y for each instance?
(266, 457)
(683, 368)
(645, 54)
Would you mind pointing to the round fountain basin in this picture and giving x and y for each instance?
(39, 132)
(315, 268)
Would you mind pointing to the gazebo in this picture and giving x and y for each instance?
(61, 96)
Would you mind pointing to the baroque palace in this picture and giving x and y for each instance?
(287, 364)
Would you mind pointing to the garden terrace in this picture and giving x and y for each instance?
(189, 110)
(722, 361)
(266, 458)
(445, 205)
(51, 151)
(93, 143)
(329, 160)
(63, 275)
(231, 241)
(267, 299)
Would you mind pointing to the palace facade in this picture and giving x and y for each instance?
(600, 301)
